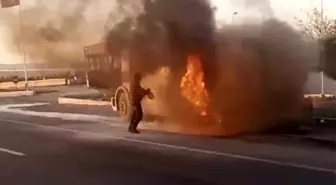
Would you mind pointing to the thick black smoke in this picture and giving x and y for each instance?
(254, 73)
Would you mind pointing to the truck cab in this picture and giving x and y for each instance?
(103, 68)
(110, 72)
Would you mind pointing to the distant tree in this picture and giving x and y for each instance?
(316, 25)
(322, 28)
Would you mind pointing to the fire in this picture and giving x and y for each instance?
(193, 86)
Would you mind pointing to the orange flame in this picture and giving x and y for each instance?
(193, 86)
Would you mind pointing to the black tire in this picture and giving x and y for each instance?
(124, 106)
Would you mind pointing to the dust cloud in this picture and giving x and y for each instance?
(53, 36)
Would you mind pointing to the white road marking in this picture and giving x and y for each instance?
(15, 108)
(177, 147)
(12, 152)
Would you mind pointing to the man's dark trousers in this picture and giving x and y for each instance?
(137, 116)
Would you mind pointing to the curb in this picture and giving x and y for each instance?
(322, 140)
(317, 139)
(81, 95)
(76, 101)
(16, 94)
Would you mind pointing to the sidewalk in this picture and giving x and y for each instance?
(84, 97)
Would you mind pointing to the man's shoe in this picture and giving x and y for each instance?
(134, 131)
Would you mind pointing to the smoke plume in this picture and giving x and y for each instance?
(254, 73)
(55, 37)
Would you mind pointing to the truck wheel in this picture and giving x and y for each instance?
(124, 107)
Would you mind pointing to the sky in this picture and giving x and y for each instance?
(285, 10)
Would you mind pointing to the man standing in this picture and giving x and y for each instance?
(137, 94)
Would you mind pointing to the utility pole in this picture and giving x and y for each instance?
(86, 59)
(23, 50)
(322, 58)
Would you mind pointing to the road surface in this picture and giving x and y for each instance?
(45, 143)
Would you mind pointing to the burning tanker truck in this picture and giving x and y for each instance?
(238, 79)
(183, 101)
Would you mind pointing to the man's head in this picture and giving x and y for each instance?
(137, 77)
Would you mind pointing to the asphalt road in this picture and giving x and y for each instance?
(58, 145)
